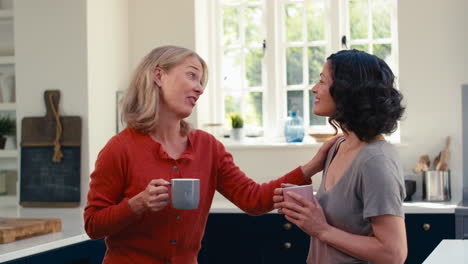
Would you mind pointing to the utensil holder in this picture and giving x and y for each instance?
(436, 186)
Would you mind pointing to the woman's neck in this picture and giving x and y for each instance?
(353, 142)
(167, 130)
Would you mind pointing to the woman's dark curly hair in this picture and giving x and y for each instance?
(367, 102)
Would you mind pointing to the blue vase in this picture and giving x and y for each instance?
(294, 128)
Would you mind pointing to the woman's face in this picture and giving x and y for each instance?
(180, 86)
(324, 105)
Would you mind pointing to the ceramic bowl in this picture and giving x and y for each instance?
(321, 137)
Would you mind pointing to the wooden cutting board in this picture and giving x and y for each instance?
(12, 229)
(46, 182)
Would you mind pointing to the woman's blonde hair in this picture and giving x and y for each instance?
(140, 105)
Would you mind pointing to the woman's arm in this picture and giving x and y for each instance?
(387, 245)
(254, 198)
(107, 211)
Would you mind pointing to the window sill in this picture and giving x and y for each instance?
(268, 143)
(276, 143)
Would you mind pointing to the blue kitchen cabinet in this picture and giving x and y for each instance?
(87, 252)
(287, 243)
(424, 232)
(241, 238)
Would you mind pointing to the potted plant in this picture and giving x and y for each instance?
(7, 128)
(237, 124)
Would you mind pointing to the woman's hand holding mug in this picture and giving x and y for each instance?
(154, 197)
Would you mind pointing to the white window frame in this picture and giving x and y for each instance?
(275, 88)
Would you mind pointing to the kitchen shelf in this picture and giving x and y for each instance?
(7, 59)
(9, 153)
(7, 106)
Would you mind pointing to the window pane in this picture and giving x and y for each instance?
(232, 77)
(296, 102)
(254, 115)
(232, 105)
(294, 66)
(253, 21)
(381, 18)
(316, 60)
(363, 47)
(293, 22)
(315, 21)
(230, 25)
(358, 10)
(315, 120)
(383, 51)
(253, 64)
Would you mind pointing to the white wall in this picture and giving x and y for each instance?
(80, 48)
(108, 71)
(50, 48)
(433, 65)
(155, 23)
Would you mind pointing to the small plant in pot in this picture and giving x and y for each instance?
(7, 128)
(237, 124)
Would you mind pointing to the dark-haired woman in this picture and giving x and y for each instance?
(360, 216)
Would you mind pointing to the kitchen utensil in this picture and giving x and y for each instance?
(50, 158)
(436, 186)
(12, 229)
(444, 156)
(423, 164)
(436, 161)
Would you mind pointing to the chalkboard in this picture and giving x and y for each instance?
(48, 183)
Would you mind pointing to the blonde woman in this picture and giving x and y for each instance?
(127, 200)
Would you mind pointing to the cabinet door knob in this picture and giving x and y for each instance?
(287, 226)
(426, 227)
(287, 245)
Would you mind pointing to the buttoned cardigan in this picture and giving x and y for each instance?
(125, 166)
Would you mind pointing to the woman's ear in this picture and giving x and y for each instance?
(158, 75)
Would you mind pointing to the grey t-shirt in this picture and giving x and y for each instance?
(372, 185)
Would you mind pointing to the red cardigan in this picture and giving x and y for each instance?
(124, 168)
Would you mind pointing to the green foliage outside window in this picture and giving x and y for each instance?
(247, 56)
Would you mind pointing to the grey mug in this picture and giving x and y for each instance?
(185, 193)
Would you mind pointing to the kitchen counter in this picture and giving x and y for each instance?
(449, 251)
(72, 231)
(222, 205)
(73, 224)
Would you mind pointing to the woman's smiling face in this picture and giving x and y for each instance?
(324, 105)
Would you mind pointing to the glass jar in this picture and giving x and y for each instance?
(294, 128)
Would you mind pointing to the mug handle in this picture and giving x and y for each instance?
(169, 201)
